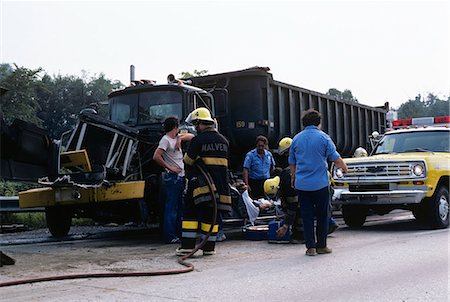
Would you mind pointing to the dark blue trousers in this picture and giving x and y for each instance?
(315, 204)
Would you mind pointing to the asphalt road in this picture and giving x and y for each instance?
(391, 259)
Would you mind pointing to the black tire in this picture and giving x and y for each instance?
(354, 215)
(420, 213)
(59, 221)
(438, 209)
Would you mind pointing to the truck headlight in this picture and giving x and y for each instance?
(339, 172)
(418, 170)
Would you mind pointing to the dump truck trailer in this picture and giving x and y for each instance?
(252, 103)
(103, 169)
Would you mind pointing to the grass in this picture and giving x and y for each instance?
(36, 220)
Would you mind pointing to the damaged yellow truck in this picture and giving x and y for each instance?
(408, 169)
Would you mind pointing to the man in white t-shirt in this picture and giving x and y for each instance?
(169, 156)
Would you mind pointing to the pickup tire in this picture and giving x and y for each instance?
(59, 220)
(354, 215)
(438, 209)
(420, 213)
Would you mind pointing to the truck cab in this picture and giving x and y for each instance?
(147, 105)
(408, 169)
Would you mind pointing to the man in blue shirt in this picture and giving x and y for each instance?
(309, 152)
(258, 164)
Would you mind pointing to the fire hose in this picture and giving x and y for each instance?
(181, 260)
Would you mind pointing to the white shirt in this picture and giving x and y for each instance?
(172, 155)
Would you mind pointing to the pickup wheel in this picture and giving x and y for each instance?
(438, 209)
(59, 221)
(354, 215)
(420, 215)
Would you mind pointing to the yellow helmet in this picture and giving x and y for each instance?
(284, 145)
(199, 114)
(271, 185)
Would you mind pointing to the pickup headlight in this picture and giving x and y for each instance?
(339, 172)
(418, 170)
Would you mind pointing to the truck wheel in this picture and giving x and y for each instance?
(59, 220)
(354, 215)
(438, 209)
(420, 214)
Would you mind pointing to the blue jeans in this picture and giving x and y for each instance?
(315, 203)
(173, 207)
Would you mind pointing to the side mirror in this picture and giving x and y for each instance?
(374, 138)
(375, 134)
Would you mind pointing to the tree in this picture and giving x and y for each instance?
(420, 107)
(20, 101)
(196, 73)
(343, 96)
(50, 102)
(97, 90)
(63, 97)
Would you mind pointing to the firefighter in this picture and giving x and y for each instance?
(289, 198)
(209, 150)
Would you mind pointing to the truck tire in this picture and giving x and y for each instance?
(354, 215)
(438, 209)
(59, 221)
(420, 213)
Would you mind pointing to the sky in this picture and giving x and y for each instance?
(383, 51)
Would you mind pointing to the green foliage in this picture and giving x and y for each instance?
(196, 73)
(346, 95)
(420, 107)
(11, 188)
(52, 102)
(21, 100)
(33, 220)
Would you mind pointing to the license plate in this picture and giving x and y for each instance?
(368, 199)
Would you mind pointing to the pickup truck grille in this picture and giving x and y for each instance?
(382, 171)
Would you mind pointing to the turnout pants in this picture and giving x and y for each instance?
(197, 220)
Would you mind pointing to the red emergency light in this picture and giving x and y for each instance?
(442, 119)
(401, 123)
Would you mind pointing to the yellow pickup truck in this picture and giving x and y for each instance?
(408, 169)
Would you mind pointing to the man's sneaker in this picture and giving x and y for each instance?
(324, 250)
(221, 237)
(332, 227)
(209, 253)
(311, 252)
(182, 252)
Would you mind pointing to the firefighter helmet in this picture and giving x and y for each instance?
(201, 114)
(271, 185)
(284, 145)
(360, 152)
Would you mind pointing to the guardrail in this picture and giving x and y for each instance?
(11, 204)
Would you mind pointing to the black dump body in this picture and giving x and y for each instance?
(259, 105)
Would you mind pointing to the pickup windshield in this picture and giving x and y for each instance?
(146, 107)
(415, 141)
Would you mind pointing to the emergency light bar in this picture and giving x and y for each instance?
(422, 121)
